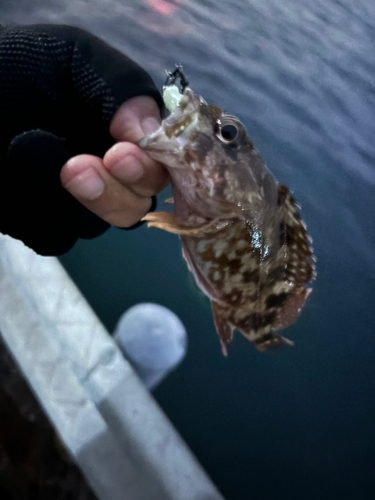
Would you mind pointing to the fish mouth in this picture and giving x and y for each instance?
(158, 145)
(170, 138)
(175, 131)
(158, 140)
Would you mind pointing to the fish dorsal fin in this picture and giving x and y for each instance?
(299, 258)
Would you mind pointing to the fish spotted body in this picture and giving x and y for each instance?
(241, 233)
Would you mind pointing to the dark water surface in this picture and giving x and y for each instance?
(297, 424)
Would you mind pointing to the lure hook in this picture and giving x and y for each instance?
(172, 76)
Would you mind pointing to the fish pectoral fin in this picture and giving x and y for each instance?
(223, 328)
(171, 223)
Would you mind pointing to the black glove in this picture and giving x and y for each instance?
(59, 88)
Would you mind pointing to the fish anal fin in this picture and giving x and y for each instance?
(223, 328)
(272, 341)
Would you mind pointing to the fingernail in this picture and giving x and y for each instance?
(128, 170)
(87, 185)
(150, 124)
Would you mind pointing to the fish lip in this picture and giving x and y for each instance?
(159, 147)
(158, 140)
(163, 139)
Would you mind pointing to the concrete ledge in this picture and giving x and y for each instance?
(111, 425)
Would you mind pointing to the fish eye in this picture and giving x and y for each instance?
(229, 133)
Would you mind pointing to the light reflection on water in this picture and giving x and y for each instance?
(300, 75)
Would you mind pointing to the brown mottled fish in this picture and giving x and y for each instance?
(241, 234)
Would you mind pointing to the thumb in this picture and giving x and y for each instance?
(134, 119)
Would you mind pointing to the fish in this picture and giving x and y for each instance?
(241, 231)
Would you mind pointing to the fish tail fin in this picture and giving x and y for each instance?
(292, 308)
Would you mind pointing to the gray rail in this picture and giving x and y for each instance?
(113, 428)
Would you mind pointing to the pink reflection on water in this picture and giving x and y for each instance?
(163, 7)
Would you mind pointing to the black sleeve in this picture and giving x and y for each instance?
(59, 88)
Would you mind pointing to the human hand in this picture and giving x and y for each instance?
(63, 90)
(118, 188)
